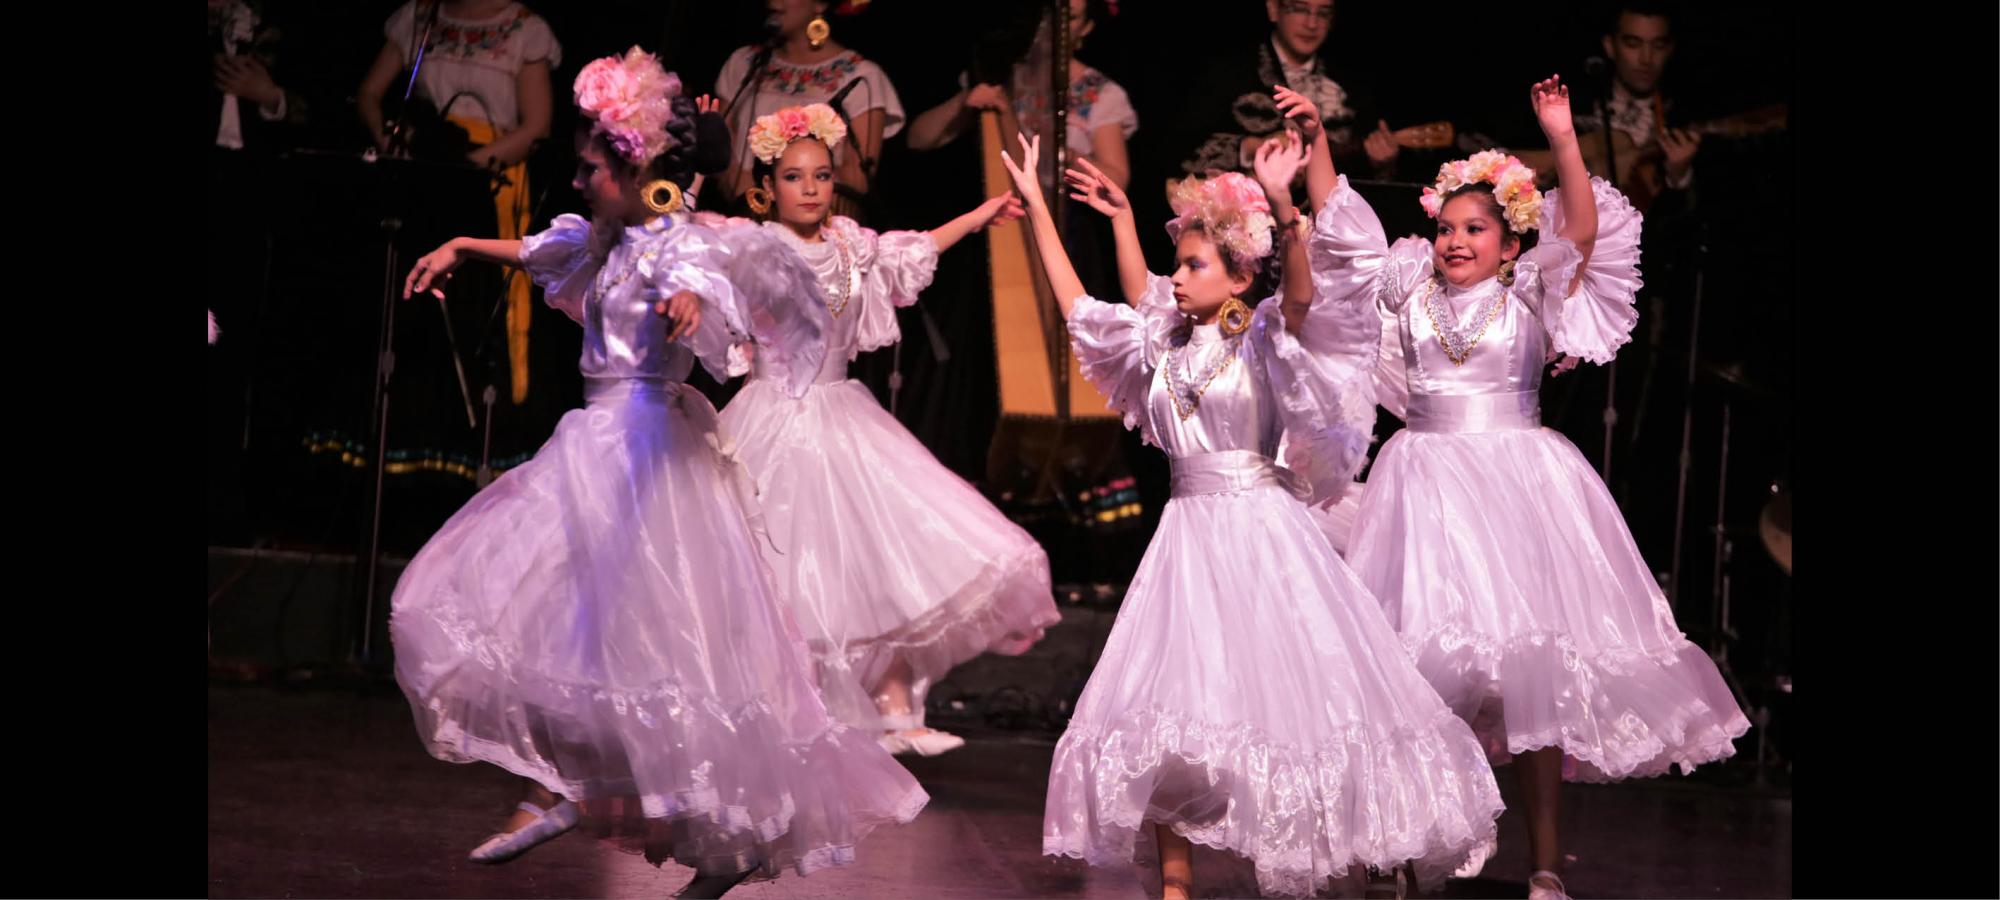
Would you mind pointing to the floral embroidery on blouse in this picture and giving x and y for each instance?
(467, 42)
(824, 78)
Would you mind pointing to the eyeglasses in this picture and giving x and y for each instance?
(1323, 14)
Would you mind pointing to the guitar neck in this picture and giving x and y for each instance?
(1428, 136)
(1744, 124)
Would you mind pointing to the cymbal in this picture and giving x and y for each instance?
(1732, 373)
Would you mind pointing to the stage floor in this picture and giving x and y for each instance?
(326, 793)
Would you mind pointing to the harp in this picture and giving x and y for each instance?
(1050, 417)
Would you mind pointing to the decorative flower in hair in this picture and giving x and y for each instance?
(1231, 209)
(631, 100)
(771, 134)
(1513, 185)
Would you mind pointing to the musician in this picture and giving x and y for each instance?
(488, 63)
(1100, 125)
(1101, 119)
(1231, 107)
(1639, 43)
(254, 109)
(803, 62)
(1657, 172)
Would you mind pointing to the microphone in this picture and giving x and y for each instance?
(1596, 67)
(771, 32)
(841, 95)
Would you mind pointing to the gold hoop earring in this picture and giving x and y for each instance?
(1507, 273)
(1234, 317)
(817, 31)
(759, 200)
(651, 194)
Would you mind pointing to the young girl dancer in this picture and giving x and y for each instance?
(1250, 697)
(896, 569)
(597, 621)
(1495, 549)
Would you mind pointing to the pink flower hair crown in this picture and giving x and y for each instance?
(1513, 185)
(771, 134)
(631, 101)
(1231, 209)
